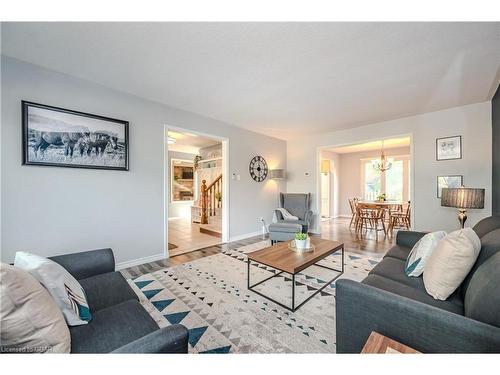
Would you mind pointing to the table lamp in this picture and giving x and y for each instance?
(462, 198)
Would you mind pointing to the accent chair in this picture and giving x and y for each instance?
(298, 204)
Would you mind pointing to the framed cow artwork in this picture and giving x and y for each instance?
(60, 137)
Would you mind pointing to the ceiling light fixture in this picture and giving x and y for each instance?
(383, 164)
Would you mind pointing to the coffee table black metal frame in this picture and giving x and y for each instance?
(294, 308)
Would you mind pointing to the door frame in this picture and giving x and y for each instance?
(166, 184)
(366, 140)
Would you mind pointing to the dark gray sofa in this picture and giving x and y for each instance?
(119, 323)
(397, 306)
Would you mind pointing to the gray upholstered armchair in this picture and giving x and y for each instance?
(298, 205)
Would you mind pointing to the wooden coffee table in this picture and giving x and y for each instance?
(380, 344)
(285, 260)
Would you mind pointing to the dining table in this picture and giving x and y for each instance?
(381, 204)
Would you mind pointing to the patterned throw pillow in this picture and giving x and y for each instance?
(418, 256)
(64, 288)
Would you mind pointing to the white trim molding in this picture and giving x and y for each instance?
(244, 236)
(136, 262)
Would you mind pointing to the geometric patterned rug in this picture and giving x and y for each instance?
(209, 296)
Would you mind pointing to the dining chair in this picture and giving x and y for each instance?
(370, 219)
(352, 204)
(400, 219)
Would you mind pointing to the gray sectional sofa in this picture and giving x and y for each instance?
(397, 306)
(119, 323)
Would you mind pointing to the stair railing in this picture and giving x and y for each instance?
(211, 198)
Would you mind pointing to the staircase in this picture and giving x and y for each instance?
(209, 210)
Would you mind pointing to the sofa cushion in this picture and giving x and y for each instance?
(482, 298)
(451, 262)
(453, 304)
(487, 225)
(106, 290)
(393, 271)
(398, 252)
(112, 328)
(62, 286)
(490, 245)
(289, 226)
(30, 318)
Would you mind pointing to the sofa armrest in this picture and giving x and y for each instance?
(87, 263)
(361, 309)
(171, 339)
(279, 215)
(408, 238)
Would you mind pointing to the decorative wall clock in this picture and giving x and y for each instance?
(258, 168)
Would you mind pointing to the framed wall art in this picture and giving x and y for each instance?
(59, 137)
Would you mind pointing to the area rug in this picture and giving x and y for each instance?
(209, 296)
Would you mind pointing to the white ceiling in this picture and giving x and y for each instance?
(189, 142)
(374, 145)
(281, 79)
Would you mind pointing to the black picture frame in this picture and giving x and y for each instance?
(438, 190)
(444, 158)
(106, 149)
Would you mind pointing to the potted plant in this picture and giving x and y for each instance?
(381, 198)
(302, 241)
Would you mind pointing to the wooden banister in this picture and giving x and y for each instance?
(211, 198)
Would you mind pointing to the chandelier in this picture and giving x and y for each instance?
(382, 164)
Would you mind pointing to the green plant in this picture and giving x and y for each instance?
(381, 197)
(218, 196)
(301, 236)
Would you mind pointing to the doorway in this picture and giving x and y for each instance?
(357, 175)
(196, 191)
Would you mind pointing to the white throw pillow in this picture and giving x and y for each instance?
(30, 319)
(64, 288)
(418, 256)
(450, 262)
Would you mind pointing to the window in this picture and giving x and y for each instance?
(373, 186)
(394, 182)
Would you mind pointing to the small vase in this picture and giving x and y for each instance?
(302, 244)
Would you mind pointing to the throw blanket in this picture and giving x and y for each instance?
(287, 215)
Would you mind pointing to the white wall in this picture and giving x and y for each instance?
(473, 122)
(350, 169)
(334, 180)
(51, 210)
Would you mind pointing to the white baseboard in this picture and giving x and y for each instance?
(136, 262)
(246, 235)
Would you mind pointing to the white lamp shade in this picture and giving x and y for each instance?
(325, 166)
(277, 174)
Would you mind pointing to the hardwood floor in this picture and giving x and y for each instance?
(333, 229)
(338, 229)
